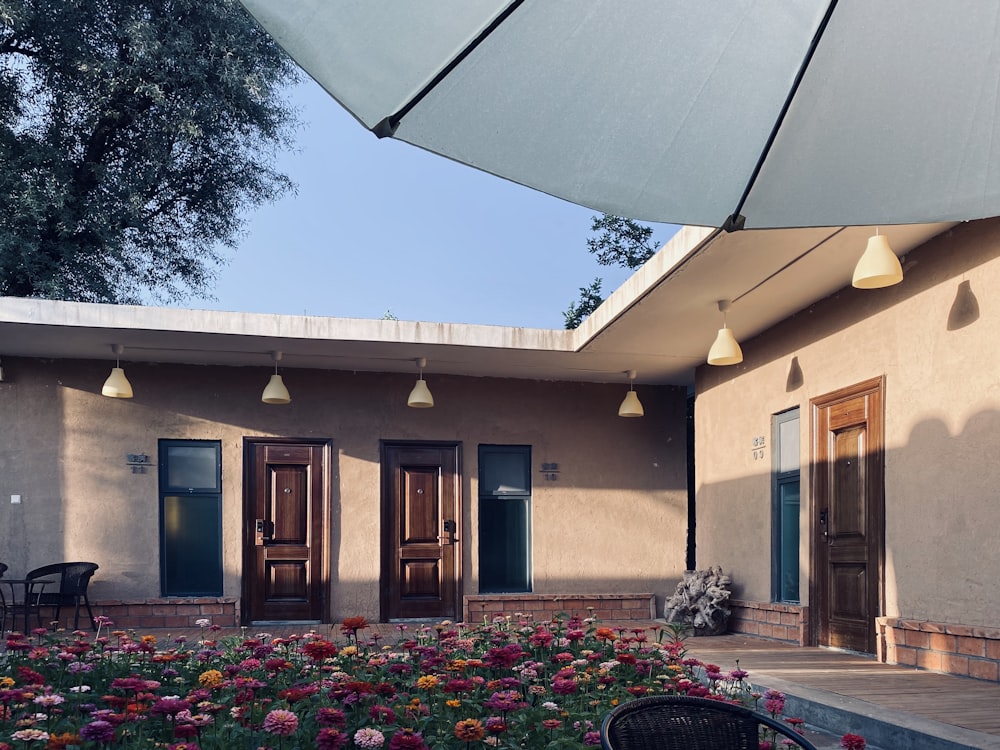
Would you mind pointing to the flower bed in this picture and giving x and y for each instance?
(504, 684)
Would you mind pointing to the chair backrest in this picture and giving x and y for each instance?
(678, 722)
(73, 576)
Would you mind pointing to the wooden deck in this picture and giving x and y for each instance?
(957, 701)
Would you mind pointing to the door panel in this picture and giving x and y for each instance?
(284, 550)
(848, 512)
(421, 511)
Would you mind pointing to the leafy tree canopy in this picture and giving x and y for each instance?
(133, 136)
(618, 242)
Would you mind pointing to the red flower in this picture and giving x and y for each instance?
(319, 650)
(853, 742)
(407, 739)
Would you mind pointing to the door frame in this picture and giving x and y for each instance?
(875, 502)
(247, 535)
(387, 557)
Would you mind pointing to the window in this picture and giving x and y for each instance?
(504, 518)
(785, 506)
(191, 517)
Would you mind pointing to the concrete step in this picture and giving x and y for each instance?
(834, 715)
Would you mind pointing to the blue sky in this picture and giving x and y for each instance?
(378, 225)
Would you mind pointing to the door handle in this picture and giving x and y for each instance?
(823, 518)
(261, 532)
(450, 528)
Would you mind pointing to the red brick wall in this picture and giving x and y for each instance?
(779, 622)
(159, 613)
(542, 607)
(940, 647)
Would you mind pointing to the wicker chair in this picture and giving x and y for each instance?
(74, 577)
(677, 722)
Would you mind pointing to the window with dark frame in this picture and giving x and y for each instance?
(504, 518)
(785, 506)
(190, 517)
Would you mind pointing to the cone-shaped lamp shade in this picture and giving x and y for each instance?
(275, 392)
(117, 385)
(631, 407)
(726, 350)
(879, 267)
(420, 396)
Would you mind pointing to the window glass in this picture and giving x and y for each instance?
(504, 518)
(788, 445)
(504, 472)
(192, 467)
(785, 515)
(190, 517)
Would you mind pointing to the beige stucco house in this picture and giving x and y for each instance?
(842, 474)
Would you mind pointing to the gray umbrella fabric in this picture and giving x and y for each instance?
(755, 114)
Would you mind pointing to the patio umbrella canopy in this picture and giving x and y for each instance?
(760, 114)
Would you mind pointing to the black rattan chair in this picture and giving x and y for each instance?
(74, 577)
(677, 722)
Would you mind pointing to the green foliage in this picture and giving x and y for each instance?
(621, 242)
(590, 299)
(133, 135)
(618, 242)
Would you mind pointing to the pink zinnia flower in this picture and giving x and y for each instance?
(329, 738)
(281, 722)
(407, 739)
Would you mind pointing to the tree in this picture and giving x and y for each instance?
(134, 134)
(619, 242)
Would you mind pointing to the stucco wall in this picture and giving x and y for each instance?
(934, 337)
(614, 520)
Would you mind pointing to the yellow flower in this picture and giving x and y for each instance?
(427, 682)
(6, 682)
(211, 678)
(348, 650)
(453, 703)
(149, 639)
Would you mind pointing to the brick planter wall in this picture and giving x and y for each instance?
(173, 612)
(542, 607)
(788, 623)
(941, 647)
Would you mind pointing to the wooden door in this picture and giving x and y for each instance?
(848, 511)
(421, 530)
(285, 501)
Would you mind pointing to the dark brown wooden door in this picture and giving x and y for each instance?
(284, 514)
(421, 530)
(848, 516)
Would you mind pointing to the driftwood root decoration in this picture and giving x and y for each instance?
(701, 601)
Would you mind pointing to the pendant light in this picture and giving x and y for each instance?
(631, 406)
(726, 349)
(117, 385)
(275, 391)
(420, 396)
(878, 267)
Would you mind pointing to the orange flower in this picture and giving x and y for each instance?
(353, 624)
(470, 730)
(605, 634)
(62, 741)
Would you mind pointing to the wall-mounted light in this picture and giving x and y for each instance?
(878, 267)
(726, 349)
(275, 391)
(631, 406)
(117, 385)
(420, 396)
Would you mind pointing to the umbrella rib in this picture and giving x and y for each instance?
(386, 127)
(736, 220)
